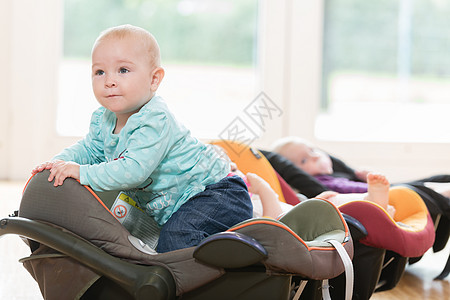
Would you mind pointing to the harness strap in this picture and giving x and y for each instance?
(348, 272)
(349, 277)
(326, 290)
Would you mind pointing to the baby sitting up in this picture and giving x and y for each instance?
(136, 145)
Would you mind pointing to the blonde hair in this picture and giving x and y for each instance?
(280, 145)
(146, 39)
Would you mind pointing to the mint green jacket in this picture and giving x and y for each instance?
(154, 159)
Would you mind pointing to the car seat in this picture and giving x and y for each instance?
(252, 160)
(439, 209)
(380, 258)
(81, 251)
(410, 233)
(249, 159)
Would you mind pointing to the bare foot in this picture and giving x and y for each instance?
(257, 185)
(271, 206)
(378, 189)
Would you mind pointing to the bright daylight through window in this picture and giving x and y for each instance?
(208, 51)
(386, 71)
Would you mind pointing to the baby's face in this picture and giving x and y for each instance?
(312, 161)
(121, 75)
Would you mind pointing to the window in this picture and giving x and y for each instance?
(386, 71)
(208, 51)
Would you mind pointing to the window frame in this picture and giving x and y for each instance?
(398, 160)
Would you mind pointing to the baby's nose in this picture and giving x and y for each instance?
(110, 82)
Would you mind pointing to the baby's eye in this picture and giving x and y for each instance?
(303, 161)
(99, 72)
(123, 70)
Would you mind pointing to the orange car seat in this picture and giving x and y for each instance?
(249, 159)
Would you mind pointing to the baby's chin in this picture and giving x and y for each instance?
(325, 166)
(326, 170)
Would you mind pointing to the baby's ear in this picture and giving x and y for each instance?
(157, 77)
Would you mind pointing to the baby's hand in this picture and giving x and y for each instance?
(60, 170)
(327, 195)
(44, 166)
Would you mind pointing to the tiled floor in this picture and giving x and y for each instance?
(16, 283)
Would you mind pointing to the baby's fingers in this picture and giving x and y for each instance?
(55, 175)
(36, 170)
(52, 175)
(58, 173)
(59, 180)
(41, 167)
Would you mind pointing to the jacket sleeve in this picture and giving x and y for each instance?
(146, 147)
(89, 150)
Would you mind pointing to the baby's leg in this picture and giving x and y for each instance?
(220, 206)
(340, 199)
(269, 199)
(377, 189)
(377, 192)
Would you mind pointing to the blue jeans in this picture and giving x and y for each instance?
(216, 209)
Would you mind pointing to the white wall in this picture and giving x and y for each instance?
(31, 49)
(5, 27)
